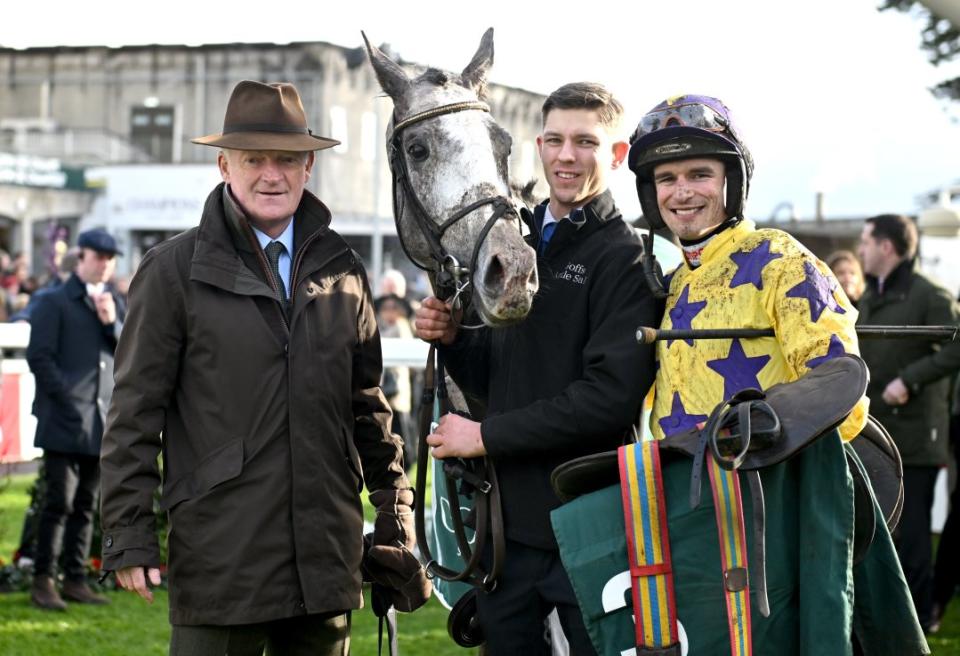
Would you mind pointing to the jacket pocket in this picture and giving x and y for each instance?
(221, 465)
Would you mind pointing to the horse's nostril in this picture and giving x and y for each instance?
(494, 275)
(533, 282)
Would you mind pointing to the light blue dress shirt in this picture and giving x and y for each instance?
(286, 238)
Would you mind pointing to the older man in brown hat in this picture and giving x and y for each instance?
(251, 361)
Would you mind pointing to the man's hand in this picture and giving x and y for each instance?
(106, 308)
(457, 437)
(896, 393)
(434, 322)
(388, 561)
(133, 579)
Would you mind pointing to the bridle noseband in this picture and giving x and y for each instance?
(451, 278)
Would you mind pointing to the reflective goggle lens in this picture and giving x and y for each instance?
(694, 116)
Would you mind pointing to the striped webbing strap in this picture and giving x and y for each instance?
(648, 547)
(728, 507)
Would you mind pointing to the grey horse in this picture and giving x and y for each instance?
(452, 200)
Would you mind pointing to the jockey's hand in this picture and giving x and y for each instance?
(434, 322)
(133, 579)
(896, 393)
(456, 437)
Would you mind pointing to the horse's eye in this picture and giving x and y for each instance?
(418, 152)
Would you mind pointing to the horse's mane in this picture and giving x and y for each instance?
(523, 191)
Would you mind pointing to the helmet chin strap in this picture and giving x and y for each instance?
(651, 268)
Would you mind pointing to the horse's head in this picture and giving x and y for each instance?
(452, 196)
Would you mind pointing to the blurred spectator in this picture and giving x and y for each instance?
(846, 267)
(73, 337)
(122, 283)
(15, 275)
(393, 319)
(393, 285)
(946, 572)
(909, 386)
(68, 262)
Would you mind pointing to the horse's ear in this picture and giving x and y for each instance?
(475, 74)
(393, 79)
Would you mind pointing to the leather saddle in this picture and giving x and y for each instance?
(789, 416)
(757, 429)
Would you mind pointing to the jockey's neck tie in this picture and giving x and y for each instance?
(273, 251)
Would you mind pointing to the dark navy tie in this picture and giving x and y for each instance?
(545, 236)
(274, 250)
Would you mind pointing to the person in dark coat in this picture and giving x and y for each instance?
(252, 362)
(74, 331)
(909, 385)
(568, 380)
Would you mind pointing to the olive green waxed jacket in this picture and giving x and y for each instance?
(920, 427)
(269, 422)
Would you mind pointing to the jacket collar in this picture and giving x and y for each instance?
(721, 242)
(597, 213)
(224, 231)
(77, 289)
(74, 287)
(897, 282)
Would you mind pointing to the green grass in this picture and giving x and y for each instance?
(127, 626)
(13, 501)
(131, 626)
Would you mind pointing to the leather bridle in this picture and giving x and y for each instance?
(451, 278)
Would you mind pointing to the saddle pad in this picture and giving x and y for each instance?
(809, 579)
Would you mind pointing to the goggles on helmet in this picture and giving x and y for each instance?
(692, 115)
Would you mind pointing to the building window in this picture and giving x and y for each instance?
(368, 136)
(338, 128)
(151, 130)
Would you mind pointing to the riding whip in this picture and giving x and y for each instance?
(647, 335)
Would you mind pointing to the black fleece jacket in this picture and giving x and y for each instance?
(570, 379)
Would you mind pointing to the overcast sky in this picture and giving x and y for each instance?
(830, 94)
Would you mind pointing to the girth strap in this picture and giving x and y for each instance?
(648, 549)
(728, 508)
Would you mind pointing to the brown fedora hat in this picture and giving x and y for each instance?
(265, 117)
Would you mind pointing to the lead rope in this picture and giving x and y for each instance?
(390, 619)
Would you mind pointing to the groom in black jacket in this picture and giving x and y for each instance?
(566, 382)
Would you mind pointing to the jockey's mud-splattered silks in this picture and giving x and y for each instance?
(749, 278)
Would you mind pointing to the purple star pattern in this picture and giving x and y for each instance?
(750, 265)
(682, 314)
(834, 350)
(678, 420)
(817, 289)
(738, 371)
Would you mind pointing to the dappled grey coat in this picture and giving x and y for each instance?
(266, 428)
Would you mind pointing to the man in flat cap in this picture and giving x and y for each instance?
(251, 361)
(74, 330)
